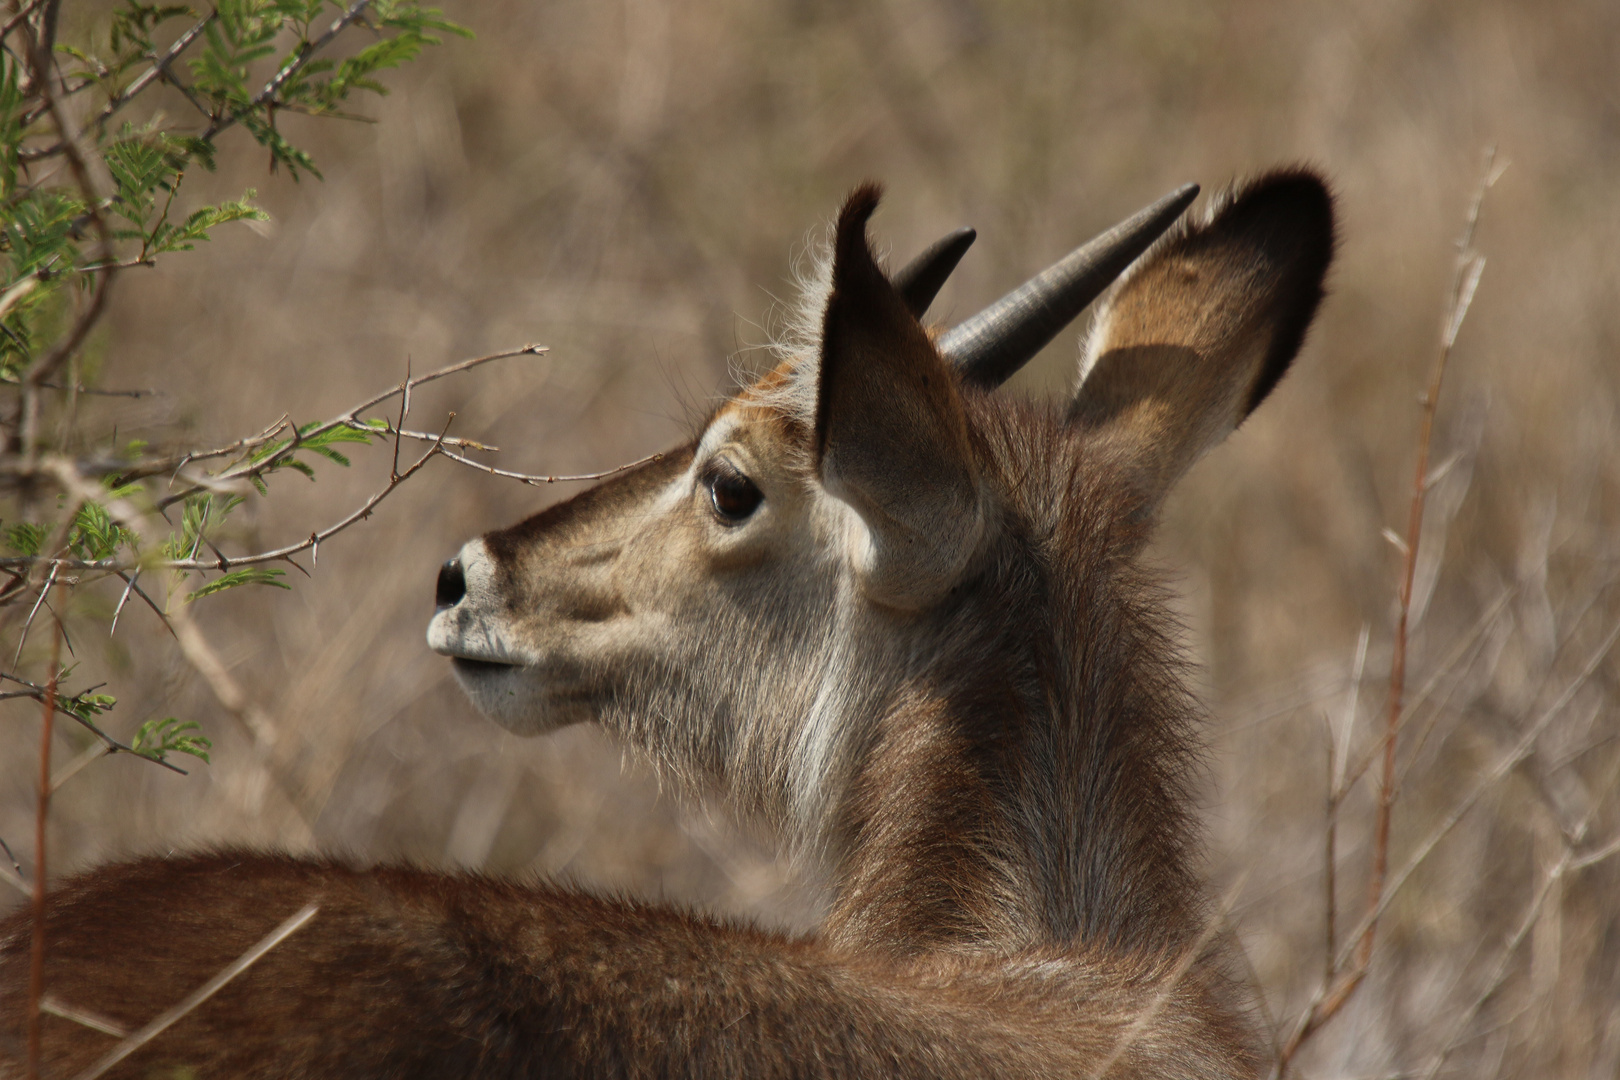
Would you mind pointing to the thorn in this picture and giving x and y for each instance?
(1395, 538)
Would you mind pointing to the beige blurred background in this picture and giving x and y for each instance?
(630, 181)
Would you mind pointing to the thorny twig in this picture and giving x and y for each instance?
(70, 476)
(1348, 969)
(128, 471)
(68, 705)
(147, 525)
(536, 481)
(158, 71)
(306, 52)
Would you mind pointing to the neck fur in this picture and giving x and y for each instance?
(1029, 789)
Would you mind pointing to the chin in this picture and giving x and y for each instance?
(516, 697)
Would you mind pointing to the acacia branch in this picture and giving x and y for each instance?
(70, 477)
(158, 71)
(306, 52)
(69, 706)
(82, 162)
(222, 562)
(314, 539)
(18, 19)
(537, 481)
(350, 418)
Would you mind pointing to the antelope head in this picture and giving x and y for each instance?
(869, 566)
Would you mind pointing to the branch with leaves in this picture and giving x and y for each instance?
(101, 123)
(71, 518)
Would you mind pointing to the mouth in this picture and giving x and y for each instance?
(475, 646)
(526, 696)
(466, 665)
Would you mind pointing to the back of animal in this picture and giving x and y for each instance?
(901, 616)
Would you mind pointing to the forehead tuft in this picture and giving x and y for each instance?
(770, 401)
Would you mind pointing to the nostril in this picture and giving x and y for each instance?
(452, 585)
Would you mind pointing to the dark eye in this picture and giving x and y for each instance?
(734, 495)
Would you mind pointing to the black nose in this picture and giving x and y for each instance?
(452, 585)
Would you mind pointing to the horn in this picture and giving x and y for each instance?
(920, 280)
(989, 347)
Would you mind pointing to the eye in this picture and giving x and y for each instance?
(734, 496)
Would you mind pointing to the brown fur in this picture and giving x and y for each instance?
(993, 754)
(406, 973)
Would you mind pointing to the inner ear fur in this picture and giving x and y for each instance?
(891, 437)
(1203, 328)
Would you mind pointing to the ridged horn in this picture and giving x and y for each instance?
(920, 280)
(989, 347)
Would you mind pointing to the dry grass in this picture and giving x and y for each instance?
(626, 183)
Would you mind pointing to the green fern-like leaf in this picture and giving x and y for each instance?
(253, 575)
(157, 739)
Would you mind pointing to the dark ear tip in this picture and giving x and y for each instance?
(1289, 212)
(851, 239)
(1287, 217)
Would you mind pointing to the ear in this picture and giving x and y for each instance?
(891, 439)
(1202, 329)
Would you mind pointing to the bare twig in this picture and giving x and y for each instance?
(1509, 761)
(1330, 864)
(82, 1016)
(1591, 858)
(93, 391)
(42, 808)
(1146, 1015)
(207, 990)
(424, 436)
(1466, 645)
(1567, 861)
(1345, 974)
(536, 481)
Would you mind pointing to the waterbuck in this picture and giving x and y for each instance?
(900, 616)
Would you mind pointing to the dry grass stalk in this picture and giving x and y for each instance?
(165, 1020)
(36, 960)
(1343, 976)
